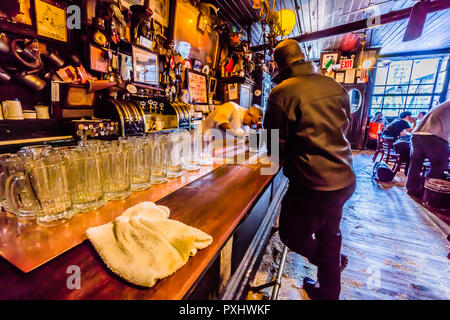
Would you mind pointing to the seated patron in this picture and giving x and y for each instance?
(420, 116)
(400, 127)
(379, 118)
(429, 141)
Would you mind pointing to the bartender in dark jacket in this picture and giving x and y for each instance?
(312, 112)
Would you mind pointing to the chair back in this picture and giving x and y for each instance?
(374, 128)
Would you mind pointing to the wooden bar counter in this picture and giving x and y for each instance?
(215, 203)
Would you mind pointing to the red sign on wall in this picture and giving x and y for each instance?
(346, 63)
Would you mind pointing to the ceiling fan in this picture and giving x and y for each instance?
(416, 21)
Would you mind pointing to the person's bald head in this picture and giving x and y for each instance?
(286, 53)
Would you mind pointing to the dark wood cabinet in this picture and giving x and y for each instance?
(262, 88)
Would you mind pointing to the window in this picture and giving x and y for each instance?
(414, 85)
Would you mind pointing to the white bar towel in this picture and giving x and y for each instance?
(143, 245)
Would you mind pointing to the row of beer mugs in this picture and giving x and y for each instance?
(52, 184)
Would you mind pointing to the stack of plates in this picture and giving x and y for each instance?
(29, 114)
(42, 112)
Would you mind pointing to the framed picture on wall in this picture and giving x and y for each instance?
(24, 15)
(350, 76)
(329, 57)
(340, 77)
(145, 66)
(160, 10)
(212, 85)
(197, 87)
(98, 59)
(51, 20)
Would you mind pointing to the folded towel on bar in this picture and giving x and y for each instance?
(144, 245)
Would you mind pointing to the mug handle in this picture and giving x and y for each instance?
(5, 114)
(12, 194)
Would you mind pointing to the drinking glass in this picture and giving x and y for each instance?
(140, 168)
(158, 159)
(48, 180)
(85, 184)
(207, 149)
(115, 171)
(194, 151)
(4, 173)
(35, 151)
(174, 155)
(254, 138)
(15, 190)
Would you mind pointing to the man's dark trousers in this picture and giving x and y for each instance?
(432, 148)
(309, 225)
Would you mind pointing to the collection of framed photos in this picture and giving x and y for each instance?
(347, 73)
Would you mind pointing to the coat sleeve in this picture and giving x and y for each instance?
(276, 119)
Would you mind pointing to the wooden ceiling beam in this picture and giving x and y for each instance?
(393, 16)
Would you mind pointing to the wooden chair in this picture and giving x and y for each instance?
(379, 147)
(401, 148)
(387, 150)
(399, 165)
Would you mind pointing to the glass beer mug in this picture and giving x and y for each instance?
(83, 173)
(207, 149)
(174, 155)
(48, 180)
(140, 169)
(194, 149)
(158, 159)
(115, 171)
(15, 191)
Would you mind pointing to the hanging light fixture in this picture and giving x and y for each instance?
(286, 18)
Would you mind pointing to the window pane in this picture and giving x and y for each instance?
(418, 102)
(378, 90)
(399, 72)
(403, 89)
(440, 82)
(424, 70)
(376, 101)
(444, 64)
(380, 77)
(373, 111)
(435, 101)
(394, 101)
(417, 89)
(391, 112)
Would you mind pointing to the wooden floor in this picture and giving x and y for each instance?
(395, 250)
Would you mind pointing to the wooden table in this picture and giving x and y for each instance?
(215, 203)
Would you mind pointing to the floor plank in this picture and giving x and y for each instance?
(385, 234)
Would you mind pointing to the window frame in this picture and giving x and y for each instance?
(434, 95)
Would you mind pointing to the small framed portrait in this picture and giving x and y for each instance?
(350, 76)
(198, 65)
(212, 85)
(160, 10)
(98, 59)
(340, 77)
(51, 20)
(328, 59)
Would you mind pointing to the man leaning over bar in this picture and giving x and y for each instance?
(312, 112)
